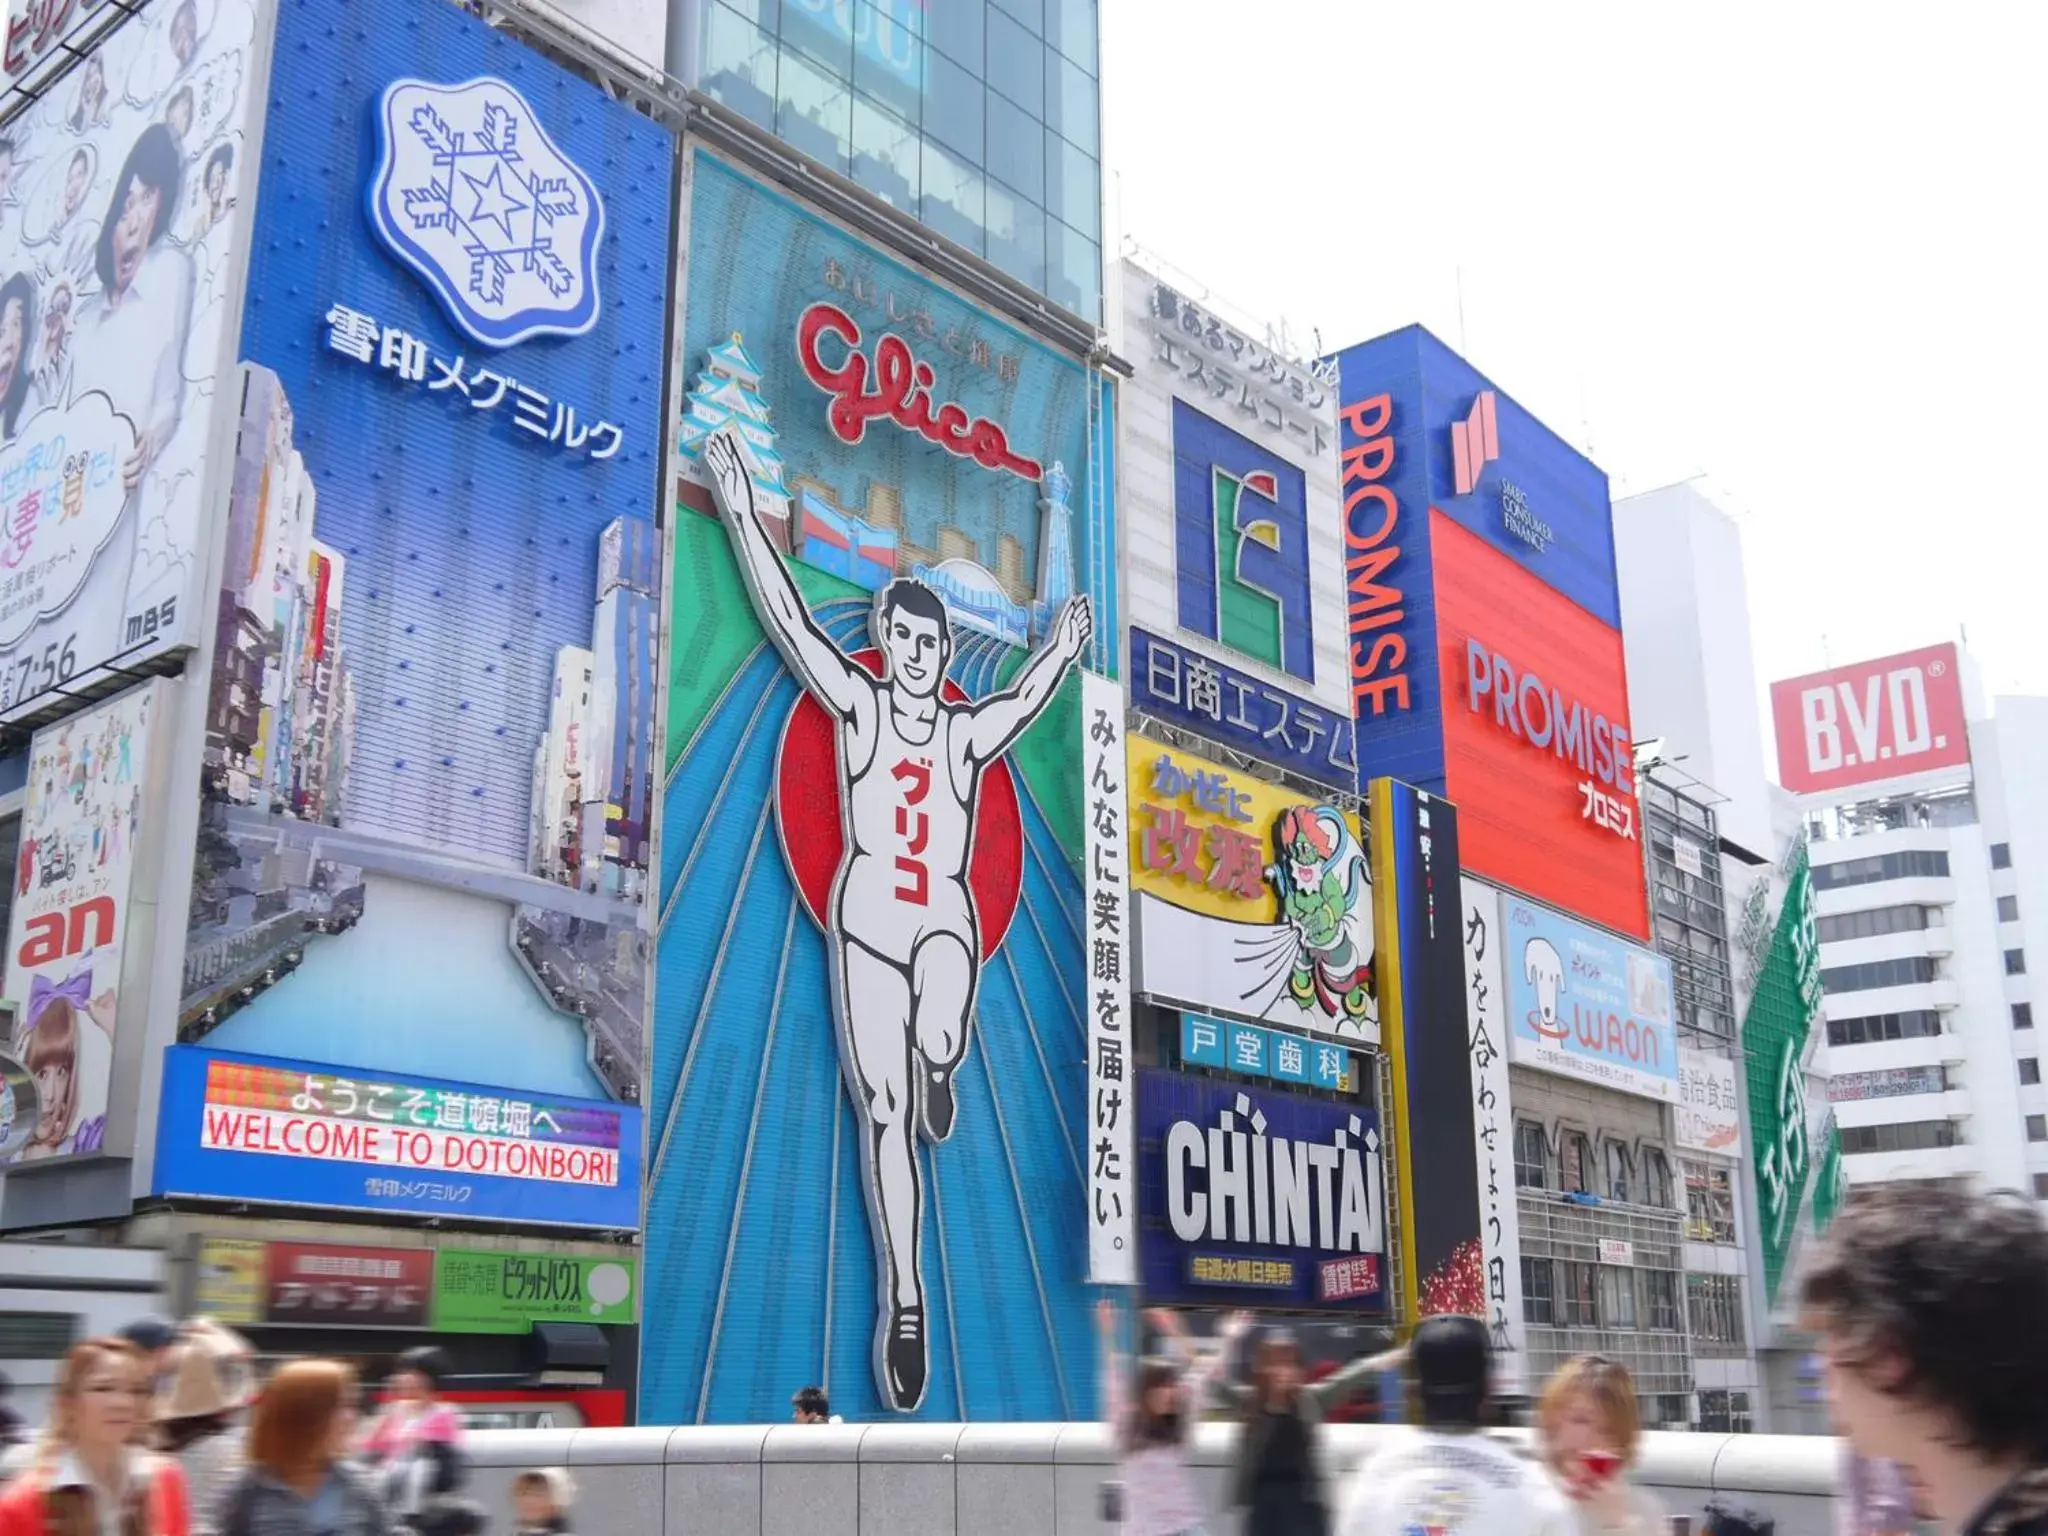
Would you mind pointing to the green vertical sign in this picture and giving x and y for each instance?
(1782, 1011)
(484, 1291)
(1248, 620)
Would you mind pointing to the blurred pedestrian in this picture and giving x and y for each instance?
(88, 1476)
(1279, 1479)
(417, 1448)
(201, 1408)
(1873, 1498)
(812, 1406)
(541, 1500)
(298, 1481)
(1151, 1409)
(1590, 1429)
(1930, 1307)
(155, 1337)
(13, 1428)
(1445, 1474)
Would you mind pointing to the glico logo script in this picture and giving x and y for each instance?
(900, 390)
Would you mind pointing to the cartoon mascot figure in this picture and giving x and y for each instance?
(1324, 887)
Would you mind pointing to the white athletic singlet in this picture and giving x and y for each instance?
(909, 822)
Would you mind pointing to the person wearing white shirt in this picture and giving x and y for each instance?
(1445, 1477)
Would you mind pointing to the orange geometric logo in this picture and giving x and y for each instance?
(1475, 442)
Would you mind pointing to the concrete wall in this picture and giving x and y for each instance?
(1011, 1479)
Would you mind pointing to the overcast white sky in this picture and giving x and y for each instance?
(1799, 250)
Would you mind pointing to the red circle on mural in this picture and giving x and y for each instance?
(809, 814)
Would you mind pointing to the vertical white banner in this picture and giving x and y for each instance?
(1493, 1126)
(1112, 1149)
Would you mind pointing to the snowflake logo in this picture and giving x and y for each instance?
(472, 194)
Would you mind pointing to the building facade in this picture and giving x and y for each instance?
(979, 118)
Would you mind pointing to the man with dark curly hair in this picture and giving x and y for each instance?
(1931, 1308)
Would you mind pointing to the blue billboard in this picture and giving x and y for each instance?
(269, 1131)
(1583, 1003)
(426, 837)
(867, 1088)
(1421, 430)
(1254, 1197)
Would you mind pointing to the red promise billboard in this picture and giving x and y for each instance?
(1537, 751)
(1875, 720)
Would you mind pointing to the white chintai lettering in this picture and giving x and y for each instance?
(1235, 1181)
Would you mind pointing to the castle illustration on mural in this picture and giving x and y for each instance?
(867, 547)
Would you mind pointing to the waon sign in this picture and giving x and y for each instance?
(1538, 756)
(1876, 720)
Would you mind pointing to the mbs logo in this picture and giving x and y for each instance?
(1241, 545)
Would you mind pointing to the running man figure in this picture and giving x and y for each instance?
(905, 940)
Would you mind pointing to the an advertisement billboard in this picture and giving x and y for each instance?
(1251, 899)
(872, 866)
(1708, 1116)
(250, 1283)
(1441, 1073)
(1536, 732)
(1585, 1004)
(68, 939)
(1252, 1050)
(122, 220)
(426, 840)
(1112, 1192)
(292, 1133)
(1232, 530)
(1885, 719)
(1486, 1031)
(1258, 1197)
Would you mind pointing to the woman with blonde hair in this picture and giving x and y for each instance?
(88, 1478)
(298, 1481)
(1590, 1430)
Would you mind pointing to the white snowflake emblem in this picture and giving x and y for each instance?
(472, 194)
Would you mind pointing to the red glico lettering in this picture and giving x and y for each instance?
(901, 391)
(1372, 517)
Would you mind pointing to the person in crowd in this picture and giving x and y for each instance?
(416, 1447)
(156, 1340)
(812, 1406)
(1278, 1479)
(13, 1430)
(87, 1475)
(1445, 1473)
(1151, 1409)
(541, 1500)
(200, 1413)
(298, 1481)
(1930, 1308)
(1590, 1430)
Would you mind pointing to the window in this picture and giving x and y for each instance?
(2001, 855)
(1576, 1164)
(1913, 1024)
(2030, 1070)
(1726, 1413)
(2022, 1015)
(1713, 1307)
(1538, 1305)
(2041, 1186)
(1577, 1295)
(38, 1335)
(2015, 962)
(1913, 862)
(2037, 1127)
(1910, 1136)
(1617, 1297)
(1709, 1203)
(2008, 909)
(1532, 1156)
(1871, 925)
(1902, 972)
(1656, 1179)
(1620, 1172)
(1660, 1286)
